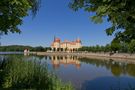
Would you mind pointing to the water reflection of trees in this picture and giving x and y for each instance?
(117, 68)
(18, 72)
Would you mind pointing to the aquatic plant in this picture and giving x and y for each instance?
(29, 73)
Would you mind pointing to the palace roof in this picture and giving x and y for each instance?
(57, 40)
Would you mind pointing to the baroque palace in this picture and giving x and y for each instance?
(69, 46)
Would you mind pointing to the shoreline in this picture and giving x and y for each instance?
(120, 57)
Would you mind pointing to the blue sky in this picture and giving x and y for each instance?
(55, 18)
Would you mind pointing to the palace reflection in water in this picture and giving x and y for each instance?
(65, 60)
(116, 68)
(87, 74)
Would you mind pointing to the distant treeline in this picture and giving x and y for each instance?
(115, 47)
(21, 48)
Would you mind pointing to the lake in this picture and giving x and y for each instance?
(90, 74)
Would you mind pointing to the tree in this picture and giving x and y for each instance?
(121, 13)
(132, 46)
(12, 13)
(115, 46)
(107, 48)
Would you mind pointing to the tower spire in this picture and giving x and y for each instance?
(54, 37)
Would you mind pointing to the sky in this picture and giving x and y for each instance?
(55, 18)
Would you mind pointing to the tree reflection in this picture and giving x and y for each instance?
(117, 68)
(130, 68)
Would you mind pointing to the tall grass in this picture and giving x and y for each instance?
(21, 73)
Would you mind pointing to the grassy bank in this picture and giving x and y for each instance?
(17, 72)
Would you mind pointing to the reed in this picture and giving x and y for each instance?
(18, 72)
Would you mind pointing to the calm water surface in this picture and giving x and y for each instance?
(91, 74)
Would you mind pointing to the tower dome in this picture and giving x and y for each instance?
(78, 40)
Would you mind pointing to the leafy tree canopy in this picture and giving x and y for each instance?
(12, 13)
(132, 46)
(121, 13)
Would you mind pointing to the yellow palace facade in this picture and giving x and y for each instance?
(70, 46)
